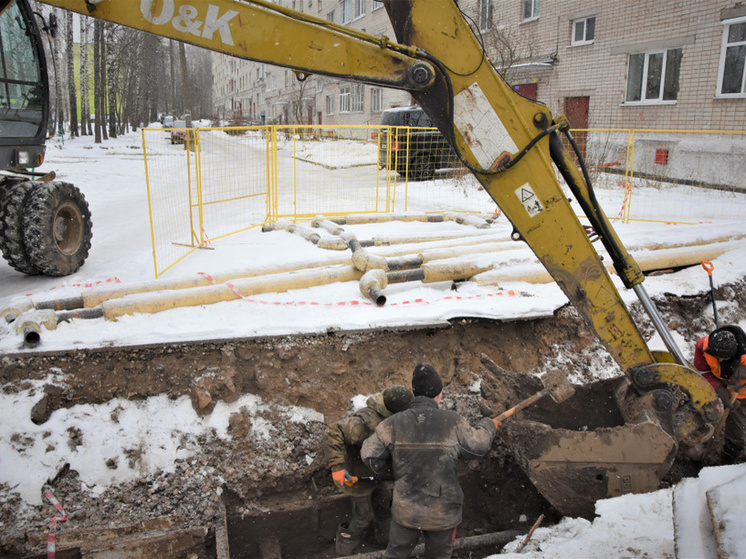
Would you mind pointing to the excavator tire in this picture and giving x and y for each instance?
(11, 227)
(57, 228)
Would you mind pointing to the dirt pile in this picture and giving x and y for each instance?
(268, 488)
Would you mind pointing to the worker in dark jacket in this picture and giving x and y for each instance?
(343, 442)
(422, 446)
(721, 356)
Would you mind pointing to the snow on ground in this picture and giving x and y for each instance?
(111, 176)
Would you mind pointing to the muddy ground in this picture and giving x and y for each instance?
(277, 502)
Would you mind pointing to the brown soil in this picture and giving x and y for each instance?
(275, 500)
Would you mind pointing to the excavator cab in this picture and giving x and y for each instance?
(24, 87)
(45, 225)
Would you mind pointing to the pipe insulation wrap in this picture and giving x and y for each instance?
(16, 308)
(330, 226)
(94, 297)
(372, 285)
(449, 271)
(647, 260)
(363, 260)
(274, 283)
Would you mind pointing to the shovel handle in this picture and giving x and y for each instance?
(708, 267)
(519, 406)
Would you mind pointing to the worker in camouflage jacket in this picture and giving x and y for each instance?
(343, 442)
(422, 446)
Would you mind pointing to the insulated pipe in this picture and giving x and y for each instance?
(321, 222)
(96, 296)
(456, 237)
(327, 242)
(428, 273)
(16, 308)
(458, 251)
(307, 233)
(467, 219)
(647, 261)
(372, 284)
(245, 287)
(361, 219)
(30, 323)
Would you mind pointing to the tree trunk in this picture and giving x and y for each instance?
(173, 104)
(85, 99)
(97, 85)
(111, 79)
(71, 90)
(184, 79)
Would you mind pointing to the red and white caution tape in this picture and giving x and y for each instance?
(52, 536)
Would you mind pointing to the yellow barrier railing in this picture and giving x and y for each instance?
(207, 183)
(672, 176)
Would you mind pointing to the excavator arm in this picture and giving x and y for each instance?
(512, 145)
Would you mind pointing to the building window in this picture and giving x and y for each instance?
(732, 70)
(530, 9)
(330, 104)
(357, 98)
(583, 31)
(330, 16)
(653, 77)
(485, 14)
(376, 99)
(376, 5)
(345, 12)
(344, 99)
(359, 8)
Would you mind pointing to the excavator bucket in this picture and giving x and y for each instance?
(575, 459)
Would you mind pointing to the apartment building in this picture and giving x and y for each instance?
(603, 63)
(266, 94)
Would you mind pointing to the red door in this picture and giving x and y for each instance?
(576, 111)
(528, 90)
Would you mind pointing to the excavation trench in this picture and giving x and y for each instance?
(273, 498)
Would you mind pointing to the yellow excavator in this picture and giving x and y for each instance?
(514, 147)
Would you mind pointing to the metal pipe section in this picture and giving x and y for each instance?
(662, 329)
(371, 285)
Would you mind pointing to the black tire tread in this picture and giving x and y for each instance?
(12, 208)
(37, 229)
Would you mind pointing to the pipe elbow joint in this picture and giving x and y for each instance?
(17, 307)
(372, 285)
(364, 261)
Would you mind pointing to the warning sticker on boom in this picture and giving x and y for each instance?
(528, 198)
(481, 127)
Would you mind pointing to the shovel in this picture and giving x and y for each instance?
(555, 384)
(709, 268)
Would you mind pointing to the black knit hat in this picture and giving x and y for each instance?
(426, 381)
(723, 344)
(397, 398)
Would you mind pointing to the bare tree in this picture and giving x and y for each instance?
(98, 84)
(112, 68)
(71, 90)
(85, 101)
(185, 84)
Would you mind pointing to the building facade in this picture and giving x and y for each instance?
(603, 63)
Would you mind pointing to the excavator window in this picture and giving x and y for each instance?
(21, 86)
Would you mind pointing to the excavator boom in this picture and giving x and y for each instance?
(514, 146)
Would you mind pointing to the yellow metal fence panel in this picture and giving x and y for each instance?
(220, 181)
(327, 170)
(234, 179)
(671, 176)
(171, 174)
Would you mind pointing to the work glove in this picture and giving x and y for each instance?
(497, 423)
(725, 396)
(342, 477)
